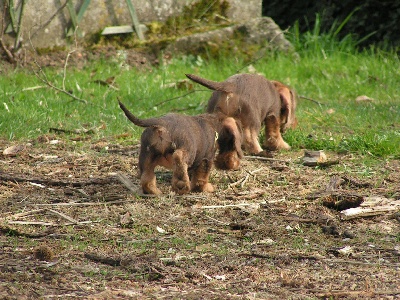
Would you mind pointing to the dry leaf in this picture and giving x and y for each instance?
(330, 111)
(13, 150)
(364, 98)
(160, 230)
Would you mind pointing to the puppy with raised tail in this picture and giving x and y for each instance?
(186, 145)
(254, 101)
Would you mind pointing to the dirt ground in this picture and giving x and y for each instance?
(71, 229)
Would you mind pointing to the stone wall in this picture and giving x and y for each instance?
(47, 21)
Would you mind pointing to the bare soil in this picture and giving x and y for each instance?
(71, 229)
(78, 58)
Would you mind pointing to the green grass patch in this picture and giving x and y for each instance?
(324, 70)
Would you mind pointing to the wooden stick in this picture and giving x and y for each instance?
(312, 100)
(231, 205)
(26, 213)
(63, 216)
(127, 182)
(252, 157)
(82, 203)
(243, 180)
(47, 223)
(31, 223)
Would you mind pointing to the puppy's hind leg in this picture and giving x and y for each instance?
(273, 137)
(180, 177)
(147, 177)
(200, 177)
(250, 140)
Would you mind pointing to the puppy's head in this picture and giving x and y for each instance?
(288, 106)
(230, 145)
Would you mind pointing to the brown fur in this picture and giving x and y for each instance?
(187, 145)
(253, 100)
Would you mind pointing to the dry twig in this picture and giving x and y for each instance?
(10, 56)
(41, 75)
(253, 157)
(312, 100)
(243, 180)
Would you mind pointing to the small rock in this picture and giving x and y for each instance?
(313, 158)
(348, 234)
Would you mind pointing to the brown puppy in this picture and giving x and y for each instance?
(187, 145)
(254, 101)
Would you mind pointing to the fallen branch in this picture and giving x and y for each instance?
(26, 213)
(13, 178)
(75, 131)
(253, 157)
(243, 180)
(82, 203)
(312, 100)
(182, 96)
(39, 223)
(127, 182)
(363, 212)
(63, 216)
(230, 205)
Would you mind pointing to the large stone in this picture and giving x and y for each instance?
(261, 31)
(46, 22)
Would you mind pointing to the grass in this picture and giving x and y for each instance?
(330, 72)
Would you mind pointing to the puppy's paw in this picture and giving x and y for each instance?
(284, 146)
(181, 187)
(276, 144)
(208, 188)
(147, 189)
(227, 161)
(202, 186)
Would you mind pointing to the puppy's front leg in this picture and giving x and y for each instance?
(200, 177)
(180, 177)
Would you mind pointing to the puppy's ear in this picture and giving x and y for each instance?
(288, 105)
(285, 108)
(230, 138)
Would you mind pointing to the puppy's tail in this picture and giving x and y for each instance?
(135, 120)
(212, 85)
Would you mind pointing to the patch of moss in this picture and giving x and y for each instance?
(42, 51)
(203, 12)
(201, 16)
